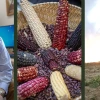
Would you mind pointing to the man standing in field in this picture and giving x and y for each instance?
(5, 73)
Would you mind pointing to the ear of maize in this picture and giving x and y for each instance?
(49, 59)
(74, 42)
(26, 41)
(40, 34)
(59, 86)
(32, 87)
(64, 98)
(75, 57)
(60, 30)
(73, 71)
(24, 44)
(26, 73)
(25, 59)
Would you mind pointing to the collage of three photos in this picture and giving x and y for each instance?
(49, 50)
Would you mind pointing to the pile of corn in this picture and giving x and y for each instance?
(36, 47)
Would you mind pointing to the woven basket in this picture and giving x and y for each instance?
(47, 13)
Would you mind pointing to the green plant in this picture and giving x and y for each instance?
(94, 82)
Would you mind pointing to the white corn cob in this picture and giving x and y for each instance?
(40, 34)
(73, 71)
(59, 86)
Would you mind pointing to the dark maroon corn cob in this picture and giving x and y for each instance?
(61, 26)
(25, 59)
(26, 73)
(25, 41)
(74, 42)
(49, 59)
(75, 57)
(32, 87)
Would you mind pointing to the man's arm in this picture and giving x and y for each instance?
(5, 67)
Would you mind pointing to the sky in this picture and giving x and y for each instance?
(92, 30)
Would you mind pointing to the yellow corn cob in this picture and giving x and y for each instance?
(59, 86)
(73, 71)
(40, 34)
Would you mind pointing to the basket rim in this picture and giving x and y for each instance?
(50, 3)
(19, 11)
(54, 3)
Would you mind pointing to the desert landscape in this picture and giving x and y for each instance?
(92, 81)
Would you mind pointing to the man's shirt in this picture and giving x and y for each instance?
(5, 67)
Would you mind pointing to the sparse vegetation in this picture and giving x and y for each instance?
(92, 81)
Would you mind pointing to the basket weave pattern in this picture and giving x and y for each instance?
(47, 13)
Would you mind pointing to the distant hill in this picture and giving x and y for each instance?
(93, 64)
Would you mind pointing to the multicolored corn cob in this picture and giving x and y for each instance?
(75, 57)
(31, 88)
(26, 73)
(60, 30)
(74, 42)
(40, 34)
(25, 59)
(59, 86)
(49, 59)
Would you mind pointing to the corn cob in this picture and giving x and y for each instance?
(75, 57)
(74, 43)
(26, 73)
(32, 87)
(58, 85)
(49, 59)
(73, 71)
(24, 44)
(60, 30)
(25, 59)
(64, 98)
(40, 35)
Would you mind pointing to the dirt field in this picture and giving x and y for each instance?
(92, 81)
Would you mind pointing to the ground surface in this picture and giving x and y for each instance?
(92, 81)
